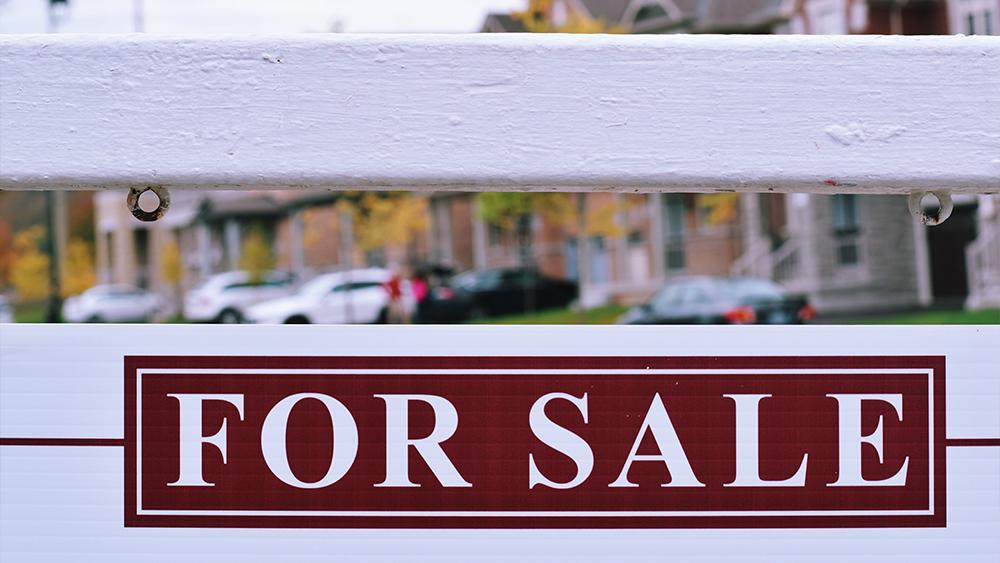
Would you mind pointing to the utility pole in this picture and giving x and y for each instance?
(347, 258)
(53, 306)
(55, 206)
(582, 252)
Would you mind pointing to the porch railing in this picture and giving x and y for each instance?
(983, 263)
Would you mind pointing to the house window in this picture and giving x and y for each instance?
(974, 17)
(572, 259)
(494, 233)
(847, 253)
(141, 240)
(845, 229)
(845, 213)
(600, 260)
(673, 215)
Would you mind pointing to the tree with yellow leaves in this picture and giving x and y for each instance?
(171, 265)
(718, 208)
(505, 209)
(538, 19)
(172, 268)
(7, 254)
(78, 268)
(386, 219)
(29, 273)
(256, 256)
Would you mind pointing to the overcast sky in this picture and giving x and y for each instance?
(256, 16)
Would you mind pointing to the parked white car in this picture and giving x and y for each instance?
(224, 297)
(353, 296)
(111, 303)
(6, 311)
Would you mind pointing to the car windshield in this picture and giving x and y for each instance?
(220, 281)
(317, 286)
(480, 280)
(465, 279)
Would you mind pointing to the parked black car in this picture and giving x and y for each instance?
(714, 300)
(505, 291)
(440, 303)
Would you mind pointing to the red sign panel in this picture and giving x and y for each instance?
(611, 442)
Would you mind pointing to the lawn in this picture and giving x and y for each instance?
(597, 316)
(29, 313)
(609, 314)
(989, 316)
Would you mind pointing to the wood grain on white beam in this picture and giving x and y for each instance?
(682, 113)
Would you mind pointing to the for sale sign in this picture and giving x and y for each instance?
(538, 441)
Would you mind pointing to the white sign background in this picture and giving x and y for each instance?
(64, 503)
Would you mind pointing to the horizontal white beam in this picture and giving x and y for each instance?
(478, 112)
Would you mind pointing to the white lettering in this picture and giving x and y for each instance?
(671, 452)
(851, 440)
(191, 438)
(274, 445)
(398, 441)
(561, 440)
(748, 444)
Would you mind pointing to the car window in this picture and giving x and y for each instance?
(354, 286)
(221, 282)
(520, 278)
(756, 289)
(277, 280)
(116, 296)
(478, 280)
(258, 285)
(694, 295)
(121, 292)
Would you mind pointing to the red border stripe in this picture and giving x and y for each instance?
(114, 442)
(951, 442)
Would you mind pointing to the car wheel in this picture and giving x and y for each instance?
(297, 320)
(383, 316)
(230, 317)
(95, 319)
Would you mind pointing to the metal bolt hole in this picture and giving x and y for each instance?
(930, 214)
(148, 203)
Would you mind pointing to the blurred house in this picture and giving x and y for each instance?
(981, 17)
(983, 256)
(631, 243)
(849, 253)
(304, 230)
